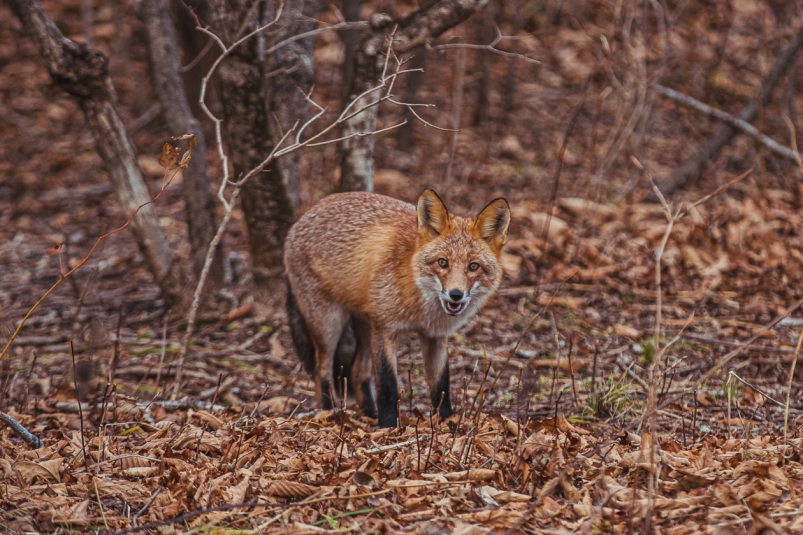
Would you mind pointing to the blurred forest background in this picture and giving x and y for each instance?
(570, 109)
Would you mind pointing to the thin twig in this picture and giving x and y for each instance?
(100, 505)
(650, 412)
(354, 25)
(789, 389)
(162, 355)
(739, 350)
(490, 47)
(793, 141)
(80, 410)
(754, 387)
(148, 504)
(389, 447)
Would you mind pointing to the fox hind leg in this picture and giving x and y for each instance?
(362, 370)
(316, 337)
(344, 360)
(326, 334)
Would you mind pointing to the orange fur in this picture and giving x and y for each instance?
(393, 267)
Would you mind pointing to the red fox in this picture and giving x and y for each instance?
(363, 268)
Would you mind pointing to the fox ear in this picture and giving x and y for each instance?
(492, 224)
(433, 217)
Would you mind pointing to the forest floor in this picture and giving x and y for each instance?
(550, 382)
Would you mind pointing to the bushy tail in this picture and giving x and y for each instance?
(344, 354)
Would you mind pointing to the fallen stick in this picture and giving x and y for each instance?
(168, 405)
(32, 440)
(735, 122)
(693, 165)
(762, 349)
(397, 445)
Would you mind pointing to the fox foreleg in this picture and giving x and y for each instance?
(436, 369)
(387, 386)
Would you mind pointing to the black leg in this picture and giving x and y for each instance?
(344, 358)
(367, 404)
(387, 392)
(440, 396)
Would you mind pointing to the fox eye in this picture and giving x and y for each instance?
(442, 262)
(473, 266)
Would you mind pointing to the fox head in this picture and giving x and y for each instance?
(457, 259)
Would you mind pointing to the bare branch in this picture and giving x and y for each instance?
(490, 47)
(357, 134)
(207, 47)
(357, 25)
(410, 107)
(721, 188)
(202, 98)
(735, 122)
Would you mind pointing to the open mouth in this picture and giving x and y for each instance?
(454, 308)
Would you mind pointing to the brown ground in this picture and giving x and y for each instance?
(560, 442)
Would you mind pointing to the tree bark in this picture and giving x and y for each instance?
(509, 82)
(294, 73)
(413, 30)
(199, 51)
(484, 33)
(246, 129)
(83, 73)
(196, 189)
(351, 39)
(692, 167)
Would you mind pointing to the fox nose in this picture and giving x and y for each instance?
(455, 295)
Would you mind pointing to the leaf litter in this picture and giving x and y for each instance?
(565, 453)
(488, 472)
(559, 446)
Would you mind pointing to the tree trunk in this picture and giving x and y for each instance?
(199, 49)
(83, 73)
(413, 30)
(196, 190)
(293, 66)
(483, 34)
(267, 209)
(351, 39)
(509, 82)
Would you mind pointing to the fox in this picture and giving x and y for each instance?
(363, 268)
